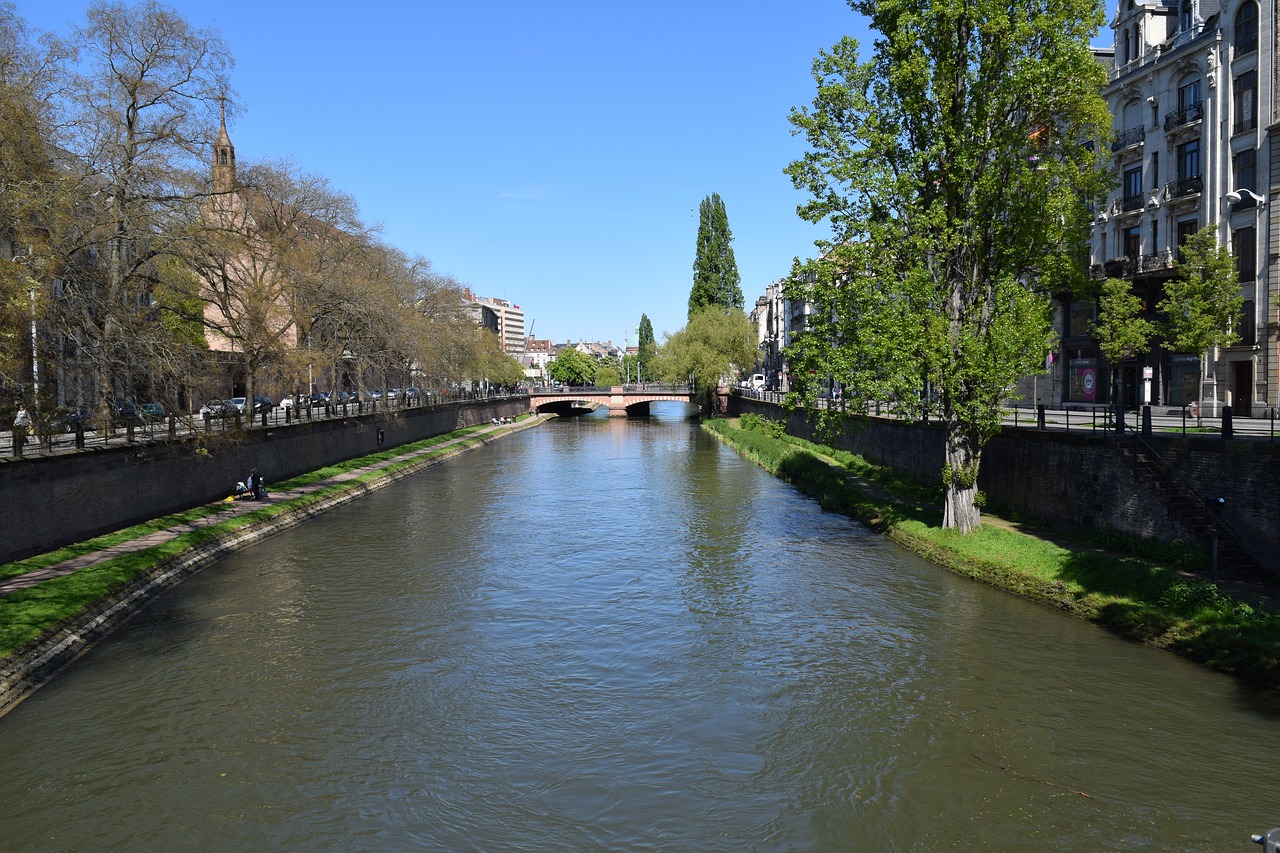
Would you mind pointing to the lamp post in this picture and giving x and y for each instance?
(1259, 202)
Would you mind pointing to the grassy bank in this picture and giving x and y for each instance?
(1142, 591)
(30, 613)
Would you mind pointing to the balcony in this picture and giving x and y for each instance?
(1159, 262)
(1184, 187)
(1130, 203)
(1118, 268)
(1132, 136)
(1183, 117)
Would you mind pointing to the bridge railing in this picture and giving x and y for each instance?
(637, 388)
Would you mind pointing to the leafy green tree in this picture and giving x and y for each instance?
(715, 343)
(607, 376)
(571, 367)
(1121, 330)
(715, 272)
(646, 348)
(952, 167)
(1202, 302)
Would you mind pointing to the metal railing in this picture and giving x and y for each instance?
(44, 442)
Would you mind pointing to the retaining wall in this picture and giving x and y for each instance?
(1078, 480)
(48, 502)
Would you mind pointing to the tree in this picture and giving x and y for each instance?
(714, 344)
(646, 349)
(1202, 302)
(571, 367)
(1121, 330)
(143, 109)
(715, 272)
(953, 167)
(36, 193)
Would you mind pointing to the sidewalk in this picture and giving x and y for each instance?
(231, 509)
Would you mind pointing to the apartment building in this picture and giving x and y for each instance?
(1192, 91)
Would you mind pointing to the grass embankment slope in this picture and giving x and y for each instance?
(1142, 590)
(31, 613)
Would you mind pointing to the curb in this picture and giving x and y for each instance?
(35, 665)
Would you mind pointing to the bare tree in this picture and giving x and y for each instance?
(141, 112)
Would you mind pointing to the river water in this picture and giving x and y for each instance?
(608, 635)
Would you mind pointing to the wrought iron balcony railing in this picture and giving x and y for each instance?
(1184, 187)
(1186, 115)
(1132, 136)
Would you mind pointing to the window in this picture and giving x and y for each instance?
(1244, 170)
(1185, 20)
(1133, 241)
(1245, 326)
(1246, 102)
(1189, 95)
(1155, 236)
(1186, 228)
(1128, 44)
(1243, 246)
(1133, 181)
(1246, 28)
(1155, 170)
(1082, 316)
(1189, 159)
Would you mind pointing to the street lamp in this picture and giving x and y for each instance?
(1236, 196)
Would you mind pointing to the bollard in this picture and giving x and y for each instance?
(208, 418)
(1040, 416)
(1227, 430)
(264, 417)
(1146, 421)
(173, 426)
(79, 436)
(17, 441)
(1119, 418)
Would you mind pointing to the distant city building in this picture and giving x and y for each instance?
(509, 318)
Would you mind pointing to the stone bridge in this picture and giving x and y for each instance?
(622, 400)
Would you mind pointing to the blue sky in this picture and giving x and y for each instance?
(551, 154)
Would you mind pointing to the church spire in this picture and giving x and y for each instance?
(224, 158)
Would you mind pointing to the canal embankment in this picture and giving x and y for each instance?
(1148, 592)
(54, 607)
(49, 502)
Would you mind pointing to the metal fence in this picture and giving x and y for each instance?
(1097, 419)
(174, 426)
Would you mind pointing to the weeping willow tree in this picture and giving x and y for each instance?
(953, 165)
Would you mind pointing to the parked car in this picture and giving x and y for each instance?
(318, 400)
(262, 403)
(218, 409)
(67, 418)
(240, 403)
(153, 412)
(127, 414)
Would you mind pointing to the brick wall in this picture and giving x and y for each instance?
(46, 503)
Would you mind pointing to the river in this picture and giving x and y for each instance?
(609, 635)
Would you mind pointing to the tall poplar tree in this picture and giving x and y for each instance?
(646, 347)
(953, 166)
(715, 272)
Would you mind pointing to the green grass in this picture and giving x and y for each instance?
(1136, 588)
(28, 614)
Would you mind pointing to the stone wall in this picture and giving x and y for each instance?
(46, 503)
(1079, 480)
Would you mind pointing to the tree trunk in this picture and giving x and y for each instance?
(960, 480)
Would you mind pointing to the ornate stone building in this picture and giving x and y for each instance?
(1192, 91)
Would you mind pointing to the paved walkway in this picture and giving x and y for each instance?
(226, 509)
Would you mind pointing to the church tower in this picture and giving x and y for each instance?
(224, 159)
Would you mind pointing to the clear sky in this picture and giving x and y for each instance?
(550, 154)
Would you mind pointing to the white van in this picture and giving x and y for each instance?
(756, 382)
